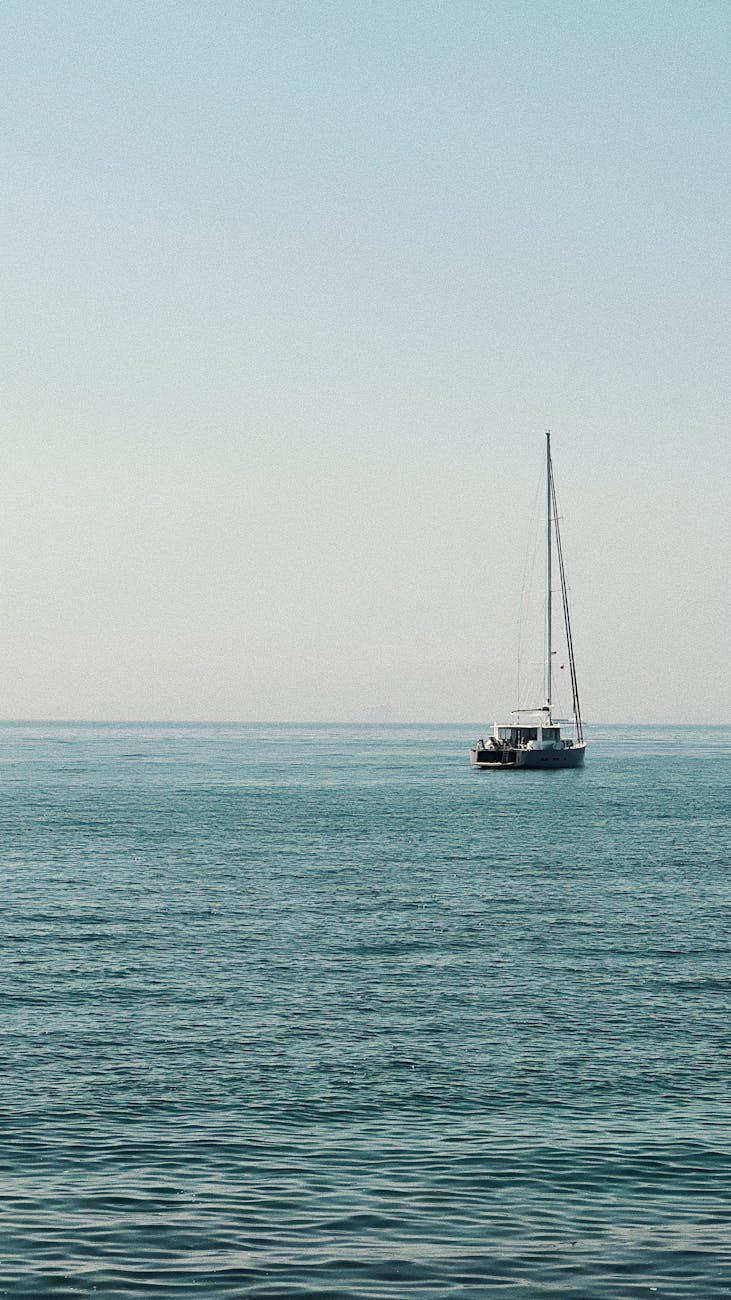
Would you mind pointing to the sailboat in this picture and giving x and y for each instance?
(533, 736)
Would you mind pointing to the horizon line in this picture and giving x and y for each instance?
(308, 722)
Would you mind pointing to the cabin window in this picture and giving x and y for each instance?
(550, 733)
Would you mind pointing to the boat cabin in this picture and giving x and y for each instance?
(521, 735)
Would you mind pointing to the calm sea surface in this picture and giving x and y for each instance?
(322, 1011)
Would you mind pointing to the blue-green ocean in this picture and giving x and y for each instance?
(322, 1011)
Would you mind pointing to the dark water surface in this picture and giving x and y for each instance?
(321, 1011)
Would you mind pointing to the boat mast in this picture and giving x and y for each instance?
(549, 495)
(566, 613)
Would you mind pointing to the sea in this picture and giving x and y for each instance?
(322, 1011)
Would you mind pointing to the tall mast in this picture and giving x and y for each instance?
(549, 495)
(566, 613)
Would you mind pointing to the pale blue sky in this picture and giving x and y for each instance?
(291, 293)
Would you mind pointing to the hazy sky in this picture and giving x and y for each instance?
(291, 293)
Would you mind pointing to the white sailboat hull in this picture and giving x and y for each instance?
(548, 759)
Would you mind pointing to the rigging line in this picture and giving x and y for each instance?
(570, 643)
(567, 617)
(529, 564)
(557, 516)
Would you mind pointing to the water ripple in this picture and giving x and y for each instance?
(368, 1026)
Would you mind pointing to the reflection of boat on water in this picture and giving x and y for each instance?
(533, 738)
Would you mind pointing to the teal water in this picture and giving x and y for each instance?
(322, 1011)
